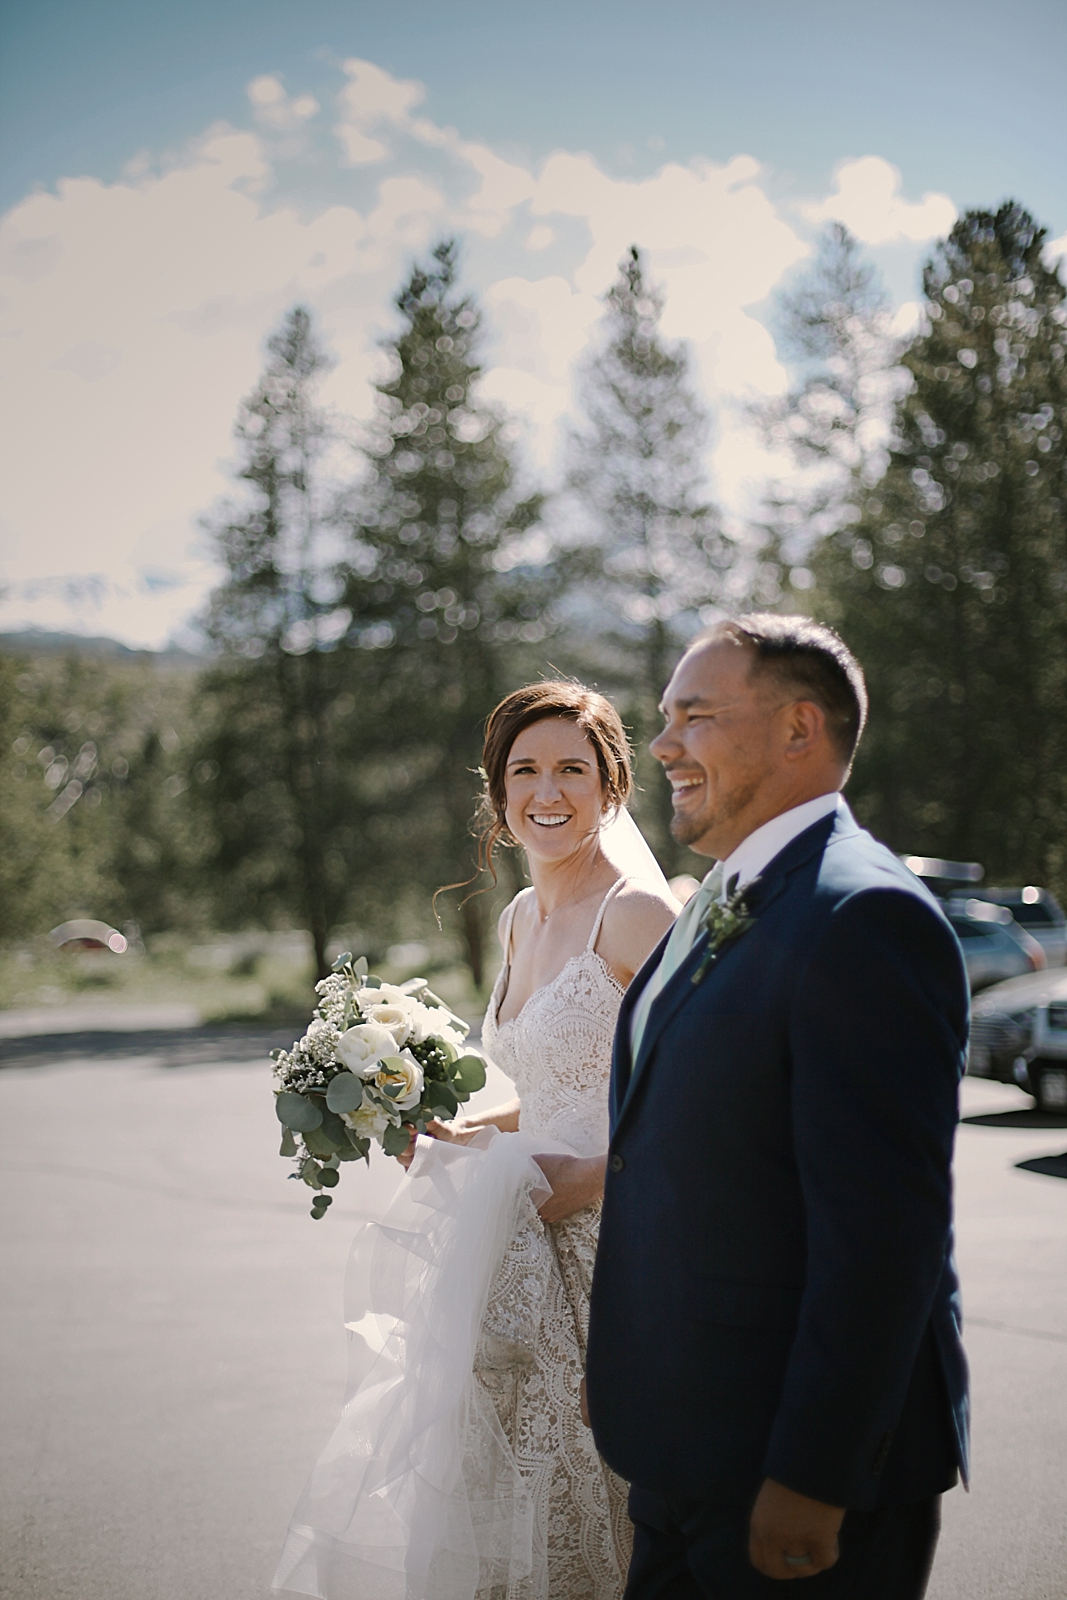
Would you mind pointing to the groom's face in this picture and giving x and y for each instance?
(718, 746)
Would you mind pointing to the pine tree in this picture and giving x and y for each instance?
(834, 423)
(278, 709)
(953, 585)
(644, 546)
(442, 598)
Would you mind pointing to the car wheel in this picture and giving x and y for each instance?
(1050, 1086)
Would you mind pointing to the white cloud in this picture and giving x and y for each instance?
(273, 109)
(1055, 251)
(370, 98)
(907, 320)
(868, 202)
(134, 313)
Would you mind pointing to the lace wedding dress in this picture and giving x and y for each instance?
(557, 1052)
(460, 1468)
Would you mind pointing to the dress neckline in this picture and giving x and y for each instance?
(498, 1000)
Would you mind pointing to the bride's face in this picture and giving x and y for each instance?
(553, 789)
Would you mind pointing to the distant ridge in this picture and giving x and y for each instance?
(43, 641)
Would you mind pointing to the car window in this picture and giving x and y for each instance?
(1033, 914)
(966, 929)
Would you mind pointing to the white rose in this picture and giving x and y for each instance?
(362, 1047)
(370, 1121)
(387, 995)
(393, 1017)
(401, 1072)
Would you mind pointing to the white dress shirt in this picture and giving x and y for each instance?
(750, 857)
(744, 863)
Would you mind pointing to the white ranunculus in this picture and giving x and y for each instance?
(393, 1017)
(362, 1047)
(428, 1022)
(370, 1121)
(402, 1072)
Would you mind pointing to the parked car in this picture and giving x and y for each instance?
(994, 946)
(1039, 912)
(1019, 1035)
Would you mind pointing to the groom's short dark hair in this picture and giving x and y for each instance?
(806, 655)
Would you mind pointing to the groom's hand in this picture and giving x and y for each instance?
(790, 1525)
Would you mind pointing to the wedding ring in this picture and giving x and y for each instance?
(797, 1561)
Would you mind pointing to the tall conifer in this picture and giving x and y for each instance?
(953, 585)
(276, 717)
(441, 595)
(647, 552)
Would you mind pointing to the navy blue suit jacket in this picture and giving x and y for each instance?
(775, 1294)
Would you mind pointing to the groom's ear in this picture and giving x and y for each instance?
(804, 730)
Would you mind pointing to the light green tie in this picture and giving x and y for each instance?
(683, 937)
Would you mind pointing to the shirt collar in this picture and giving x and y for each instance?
(750, 857)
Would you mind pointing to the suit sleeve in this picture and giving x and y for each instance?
(877, 1032)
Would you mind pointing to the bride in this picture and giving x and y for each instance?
(516, 1480)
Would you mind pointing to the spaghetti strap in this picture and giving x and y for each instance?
(512, 908)
(594, 936)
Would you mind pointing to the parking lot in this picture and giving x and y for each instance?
(173, 1355)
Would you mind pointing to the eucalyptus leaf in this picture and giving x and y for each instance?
(288, 1144)
(330, 1177)
(334, 1129)
(469, 1073)
(396, 1140)
(345, 1092)
(319, 1143)
(297, 1111)
(360, 967)
(442, 1098)
(309, 1171)
(342, 961)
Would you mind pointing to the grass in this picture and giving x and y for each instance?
(254, 977)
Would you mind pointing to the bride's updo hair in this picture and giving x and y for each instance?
(573, 702)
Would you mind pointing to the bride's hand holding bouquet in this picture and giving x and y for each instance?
(379, 1063)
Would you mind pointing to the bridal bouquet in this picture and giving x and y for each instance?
(376, 1061)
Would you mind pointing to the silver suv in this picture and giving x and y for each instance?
(1019, 1035)
(994, 946)
(1039, 912)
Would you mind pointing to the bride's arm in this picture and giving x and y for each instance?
(463, 1129)
(505, 1117)
(577, 1182)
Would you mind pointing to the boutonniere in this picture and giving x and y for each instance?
(723, 924)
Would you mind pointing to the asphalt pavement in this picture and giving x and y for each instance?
(172, 1351)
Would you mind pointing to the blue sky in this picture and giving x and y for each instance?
(235, 157)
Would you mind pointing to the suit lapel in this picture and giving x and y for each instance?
(772, 882)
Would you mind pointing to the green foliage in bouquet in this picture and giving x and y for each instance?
(376, 1062)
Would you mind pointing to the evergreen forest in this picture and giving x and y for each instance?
(316, 768)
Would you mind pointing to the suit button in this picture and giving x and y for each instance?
(616, 1163)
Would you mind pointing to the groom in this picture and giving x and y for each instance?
(774, 1356)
